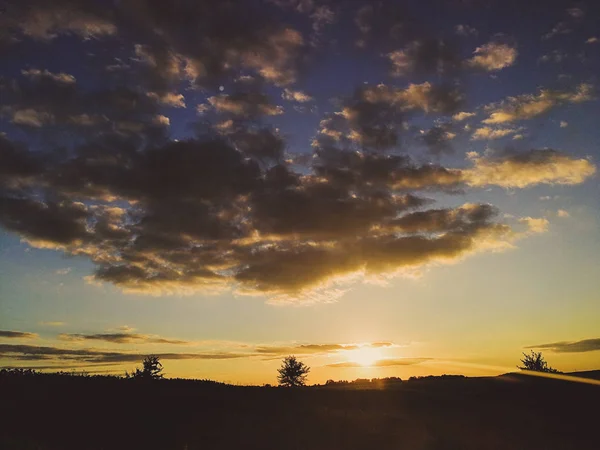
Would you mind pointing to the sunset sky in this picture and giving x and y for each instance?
(379, 188)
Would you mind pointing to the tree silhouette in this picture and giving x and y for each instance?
(292, 372)
(151, 369)
(536, 363)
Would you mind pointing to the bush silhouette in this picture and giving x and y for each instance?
(292, 372)
(536, 363)
(151, 369)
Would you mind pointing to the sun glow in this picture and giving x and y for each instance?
(365, 356)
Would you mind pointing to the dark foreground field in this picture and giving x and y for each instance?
(503, 413)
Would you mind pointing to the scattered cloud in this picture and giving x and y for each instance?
(528, 106)
(459, 117)
(121, 338)
(17, 334)
(592, 40)
(64, 271)
(493, 56)
(564, 124)
(559, 28)
(465, 30)
(422, 57)
(527, 169)
(245, 104)
(562, 213)
(36, 74)
(296, 96)
(555, 56)
(36, 353)
(585, 345)
(535, 225)
(492, 133)
(171, 99)
(576, 13)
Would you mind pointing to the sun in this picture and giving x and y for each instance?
(365, 356)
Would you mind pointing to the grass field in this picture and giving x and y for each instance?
(511, 412)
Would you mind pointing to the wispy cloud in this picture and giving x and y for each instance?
(37, 353)
(585, 345)
(121, 338)
(17, 334)
(381, 363)
(528, 106)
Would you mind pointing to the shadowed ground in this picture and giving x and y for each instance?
(509, 412)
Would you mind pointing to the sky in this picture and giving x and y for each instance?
(379, 188)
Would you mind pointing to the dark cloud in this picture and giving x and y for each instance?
(229, 207)
(35, 353)
(17, 334)
(438, 139)
(585, 345)
(120, 338)
(425, 56)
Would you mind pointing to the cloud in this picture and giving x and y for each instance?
(528, 106)
(17, 335)
(316, 348)
(194, 41)
(422, 57)
(296, 96)
(121, 338)
(43, 21)
(559, 28)
(52, 323)
(36, 74)
(64, 271)
(564, 124)
(57, 355)
(381, 363)
(493, 56)
(585, 345)
(491, 133)
(527, 169)
(576, 13)
(555, 56)
(465, 30)
(459, 117)
(171, 99)
(562, 213)
(245, 104)
(35, 353)
(592, 40)
(438, 139)
(535, 225)
(224, 204)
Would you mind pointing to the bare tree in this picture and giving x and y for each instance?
(292, 372)
(536, 363)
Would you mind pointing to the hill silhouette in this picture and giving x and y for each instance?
(52, 412)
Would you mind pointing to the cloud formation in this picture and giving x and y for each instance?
(528, 106)
(585, 345)
(17, 334)
(528, 169)
(38, 353)
(121, 338)
(110, 168)
(493, 56)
